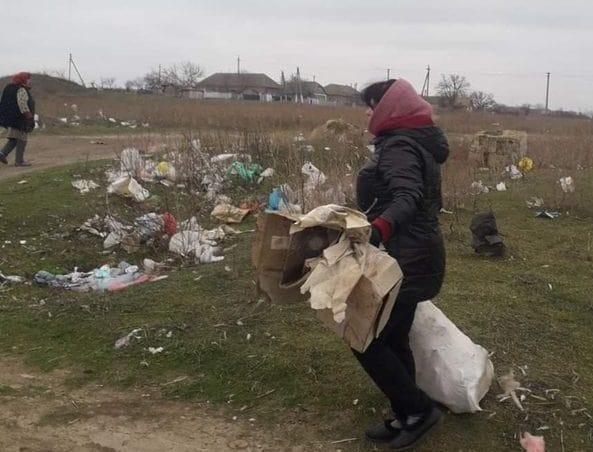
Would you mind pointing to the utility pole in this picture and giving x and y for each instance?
(313, 77)
(72, 64)
(388, 72)
(426, 85)
(238, 65)
(547, 90)
(300, 88)
(160, 83)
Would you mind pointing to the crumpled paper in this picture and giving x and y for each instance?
(352, 222)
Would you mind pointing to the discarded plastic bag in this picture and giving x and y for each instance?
(450, 368)
(84, 186)
(131, 162)
(129, 187)
(249, 173)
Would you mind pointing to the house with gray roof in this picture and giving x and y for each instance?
(241, 86)
(342, 94)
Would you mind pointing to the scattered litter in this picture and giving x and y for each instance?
(227, 269)
(129, 187)
(22, 182)
(513, 172)
(525, 164)
(22, 242)
(268, 172)
(197, 244)
(315, 177)
(11, 279)
(97, 142)
(486, 239)
(567, 184)
(535, 202)
(248, 173)
(156, 350)
(550, 214)
(501, 186)
(100, 279)
(229, 214)
(124, 341)
(477, 188)
(280, 200)
(510, 386)
(84, 186)
(445, 211)
(532, 443)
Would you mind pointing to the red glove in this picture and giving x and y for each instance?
(28, 115)
(384, 228)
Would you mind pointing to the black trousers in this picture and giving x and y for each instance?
(389, 361)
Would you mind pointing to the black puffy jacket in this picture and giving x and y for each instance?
(401, 183)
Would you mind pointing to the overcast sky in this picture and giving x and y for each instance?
(502, 46)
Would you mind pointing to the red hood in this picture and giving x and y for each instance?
(22, 78)
(400, 107)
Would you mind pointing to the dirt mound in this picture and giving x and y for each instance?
(47, 85)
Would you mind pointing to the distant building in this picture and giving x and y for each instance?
(242, 86)
(342, 95)
(305, 92)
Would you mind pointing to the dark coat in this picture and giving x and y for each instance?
(10, 114)
(401, 183)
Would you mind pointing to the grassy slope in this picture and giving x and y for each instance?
(506, 305)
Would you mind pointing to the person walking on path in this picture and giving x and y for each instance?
(400, 190)
(17, 111)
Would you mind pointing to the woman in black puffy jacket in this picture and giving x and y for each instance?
(400, 189)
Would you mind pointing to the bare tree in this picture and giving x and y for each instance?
(452, 87)
(182, 75)
(136, 84)
(107, 82)
(479, 100)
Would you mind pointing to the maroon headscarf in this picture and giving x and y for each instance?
(400, 108)
(22, 78)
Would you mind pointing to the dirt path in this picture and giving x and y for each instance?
(46, 151)
(40, 414)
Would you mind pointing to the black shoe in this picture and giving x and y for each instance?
(412, 436)
(383, 432)
(3, 159)
(23, 164)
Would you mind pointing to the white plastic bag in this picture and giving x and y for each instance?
(450, 368)
(129, 187)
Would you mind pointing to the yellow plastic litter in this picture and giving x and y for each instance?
(525, 164)
(163, 168)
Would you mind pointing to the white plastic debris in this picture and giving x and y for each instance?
(513, 172)
(129, 187)
(84, 186)
(314, 176)
(535, 202)
(478, 187)
(155, 350)
(501, 186)
(567, 184)
(131, 162)
(124, 341)
(194, 243)
(11, 279)
(450, 368)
